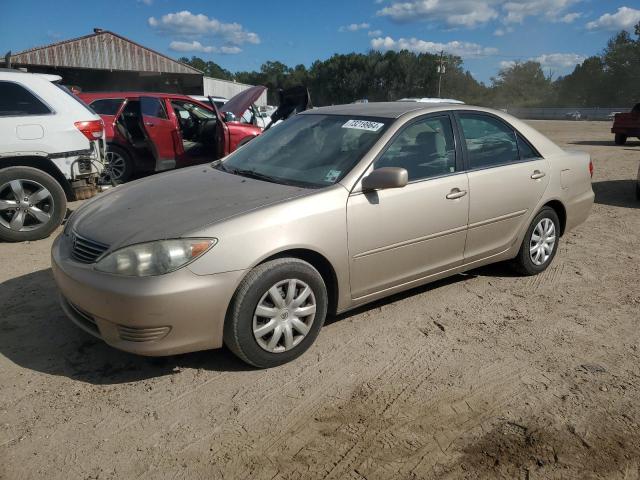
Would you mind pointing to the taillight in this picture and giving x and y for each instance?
(92, 129)
(591, 168)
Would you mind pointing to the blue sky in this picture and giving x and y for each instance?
(241, 35)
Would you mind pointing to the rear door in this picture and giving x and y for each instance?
(161, 132)
(507, 178)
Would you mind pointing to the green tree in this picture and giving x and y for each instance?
(522, 84)
(209, 68)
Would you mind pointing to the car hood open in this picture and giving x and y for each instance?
(243, 100)
(173, 204)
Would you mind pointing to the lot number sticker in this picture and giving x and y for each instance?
(363, 125)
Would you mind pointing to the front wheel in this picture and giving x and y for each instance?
(620, 139)
(32, 204)
(540, 243)
(276, 313)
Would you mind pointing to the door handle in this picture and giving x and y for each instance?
(537, 174)
(456, 193)
(149, 124)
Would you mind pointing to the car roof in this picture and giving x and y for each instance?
(96, 95)
(45, 76)
(430, 100)
(390, 109)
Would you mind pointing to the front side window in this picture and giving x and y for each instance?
(17, 100)
(489, 141)
(425, 149)
(307, 150)
(107, 106)
(152, 107)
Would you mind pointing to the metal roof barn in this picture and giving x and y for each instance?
(105, 60)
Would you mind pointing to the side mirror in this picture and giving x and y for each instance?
(229, 117)
(386, 177)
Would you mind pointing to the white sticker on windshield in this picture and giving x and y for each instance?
(363, 125)
(332, 176)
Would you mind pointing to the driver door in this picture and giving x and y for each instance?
(401, 235)
(161, 132)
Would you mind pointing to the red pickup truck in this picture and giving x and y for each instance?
(626, 125)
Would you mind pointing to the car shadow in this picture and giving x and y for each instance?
(604, 143)
(616, 193)
(35, 334)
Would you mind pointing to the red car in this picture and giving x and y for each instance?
(626, 125)
(154, 132)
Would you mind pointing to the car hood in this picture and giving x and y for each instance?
(171, 205)
(242, 101)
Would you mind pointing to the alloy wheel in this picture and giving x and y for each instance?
(284, 315)
(25, 205)
(116, 165)
(543, 241)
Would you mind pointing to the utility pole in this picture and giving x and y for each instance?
(441, 70)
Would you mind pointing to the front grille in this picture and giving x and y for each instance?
(84, 250)
(137, 334)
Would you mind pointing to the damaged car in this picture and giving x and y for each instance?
(155, 132)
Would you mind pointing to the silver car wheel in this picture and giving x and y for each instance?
(284, 316)
(543, 241)
(116, 165)
(25, 205)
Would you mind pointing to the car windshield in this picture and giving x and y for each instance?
(198, 111)
(307, 150)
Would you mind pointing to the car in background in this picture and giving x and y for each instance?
(217, 101)
(573, 116)
(626, 125)
(155, 132)
(254, 115)
(334, 208)
(51, 152)
(431, 100)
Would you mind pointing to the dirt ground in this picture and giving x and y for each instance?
(483, 375)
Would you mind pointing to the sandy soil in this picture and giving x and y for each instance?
(484, 375)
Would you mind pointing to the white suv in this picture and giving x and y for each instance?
(51, 151)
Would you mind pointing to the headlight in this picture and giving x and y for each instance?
(154, 258)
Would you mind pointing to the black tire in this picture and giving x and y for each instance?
(238, 329)
(620, 139)
(638, 189)
(55, 206)
(128, 165)
(523, 262)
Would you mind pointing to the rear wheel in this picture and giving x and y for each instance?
(119, 164)
(620, 139)
(540, 243)
(276, 313)
(32, 204)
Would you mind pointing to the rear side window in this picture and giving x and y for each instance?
(17, 100)
(107, 106)
(489, 141)
(526, 151)
(152, 107)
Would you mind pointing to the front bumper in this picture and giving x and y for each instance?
(165, 315)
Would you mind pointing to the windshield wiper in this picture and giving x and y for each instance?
(245, 172)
